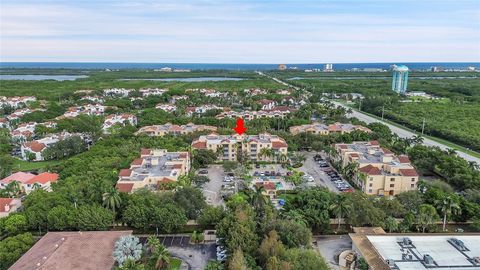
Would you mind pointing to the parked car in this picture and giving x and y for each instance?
(257, 166)
(267, 173)
(203, 171)
(256, 173)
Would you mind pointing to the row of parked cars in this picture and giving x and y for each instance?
(221, 251)
(267, 173)
(337, 180)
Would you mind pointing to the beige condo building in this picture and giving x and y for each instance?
(228, 146)
(168, 128)
(154, 168)
(380, 172)
(322, 129)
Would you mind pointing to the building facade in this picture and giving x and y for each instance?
(380, 172)
(400, 79)
(322, 129)
(229, 147)
(168, 128)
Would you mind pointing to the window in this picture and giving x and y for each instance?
(413, 179)
(370, 185)
(370, 191)
(412, 185)
(371, 178)
(392, 185)
(392, 179)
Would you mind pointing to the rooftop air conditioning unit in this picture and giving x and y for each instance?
(407, 242)
(428, 259)
(391, 263)
(458, 244)
(476, 260)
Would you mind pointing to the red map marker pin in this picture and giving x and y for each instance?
(240, 128)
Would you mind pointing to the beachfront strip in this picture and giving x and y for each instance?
(171, 129)
(153, 169)
(230, 146)
(322, 129)
(380, 171)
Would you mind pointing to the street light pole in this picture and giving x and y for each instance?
(423, 126)
(383, 111)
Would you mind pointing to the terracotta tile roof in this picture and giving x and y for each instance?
(145, 151)
(44, 178)
(125, 172)
(199, 145)
(374, 143)
(265, 101)
(183, 155)
(387, 151)
(370, 170)
(403, 159)
(124, 187)
(137, 161)
(267, 185)
(71, 250)
(279, 144)
(35, 146)
(165, 180)
(177, 166)
(408, 172)
(353, 155)
(4, 202)
(342, 146)
(18, 176)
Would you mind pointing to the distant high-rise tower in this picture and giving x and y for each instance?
(400, 79)
(328, 67)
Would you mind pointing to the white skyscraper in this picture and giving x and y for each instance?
(400, 79)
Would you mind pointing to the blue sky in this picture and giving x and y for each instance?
(222, 31)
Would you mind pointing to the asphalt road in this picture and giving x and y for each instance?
(321, 179)
(404, 133)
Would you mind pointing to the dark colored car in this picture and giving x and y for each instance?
(257, 166)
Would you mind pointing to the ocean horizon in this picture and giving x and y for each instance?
(231, 66)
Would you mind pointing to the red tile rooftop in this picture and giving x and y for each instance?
(266, 185)
(145, 151)
(403, 159)
(408, 172)
(137, 161)
(125, 172)
(18, 176)
(374, 143)
(199, 145)
(43, 178)
(277, 145)
(35, 146)
(124, 187)
(4, 202)
(370, 170)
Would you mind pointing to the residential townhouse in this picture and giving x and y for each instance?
(154, 168)
(29, 182)
(276, 112)
(322, 129)
(117, 92)
(267, 104)
(166, 107)
(284, 92)
(23, 132)
(33, 150)
(207, 92)
(4, 123)
(255, 91)
(152, 91)
(174, 99)
(121, 119)
(190, 111)
(17, 114)
(168, 128)
(16, 102)
(95, 99)
(380, 172)
(88, 109)
(228, 146)
(9, 206)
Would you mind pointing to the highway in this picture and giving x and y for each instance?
(403, 133)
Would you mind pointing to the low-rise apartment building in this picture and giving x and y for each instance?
(322, 129)
(154, 168)
(16, 102)
(117, 92)
(380, 172)
(121, 119)
(29, 182)
(33, 150)
(9, 206)
(152, 91)
(168, 128)
(276, 112)
(190, 111)
(255, 91)
(229, 146)
(166, 107)
(23, 131)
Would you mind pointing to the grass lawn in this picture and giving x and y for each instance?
(21, 165)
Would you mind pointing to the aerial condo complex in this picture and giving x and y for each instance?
(239, 135)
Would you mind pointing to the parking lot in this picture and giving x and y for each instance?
(320, 175)
(330, 246)
(213, 189)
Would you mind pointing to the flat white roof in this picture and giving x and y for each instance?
(444, 254)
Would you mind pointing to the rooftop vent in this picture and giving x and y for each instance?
(427, 259)
(476, 260)
(457, 243)
(391, 263)
(406, 241)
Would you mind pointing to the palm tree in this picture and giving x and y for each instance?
(447, 207)
(341, 206)
(111, 199)
(417, 139)
(265, 152)
(257, 199)
(162, 257)
(13, 188)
